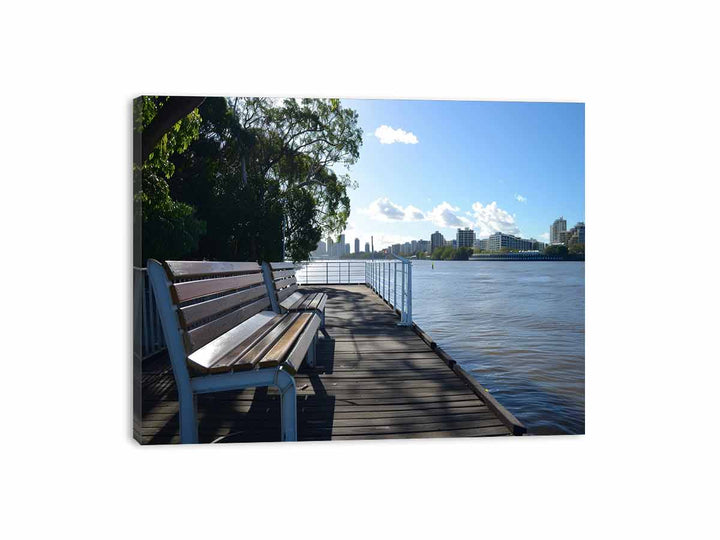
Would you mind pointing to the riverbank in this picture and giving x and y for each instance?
(526, 257)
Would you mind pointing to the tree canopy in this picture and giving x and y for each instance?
(449, 253)
(247, 178)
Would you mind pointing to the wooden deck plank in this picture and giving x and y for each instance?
(373, 380)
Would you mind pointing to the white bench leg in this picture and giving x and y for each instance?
(188, 419)
(288, 406)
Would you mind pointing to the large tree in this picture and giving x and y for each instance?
(245, 178)
(302, 143)
(261, 177)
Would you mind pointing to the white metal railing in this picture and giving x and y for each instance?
(331, 272)
(146, 323)
(391, 279)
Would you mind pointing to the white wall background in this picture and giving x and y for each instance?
(648, 464)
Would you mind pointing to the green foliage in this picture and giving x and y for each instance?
(169, 228)
(174, 141)
(249, 177)
(556, 251)
(577, 249)
(448, 253)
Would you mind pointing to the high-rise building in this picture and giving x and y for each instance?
(558, 226)
(423, 245)
(330, 248)
(499, 240)
(465, 237)
(367, 247)
(357, 245)
(576, 235)
(436, 240)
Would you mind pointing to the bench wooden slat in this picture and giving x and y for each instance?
(282, 347)
(281, 265)
(300, 298)
(257, 351)
(204, 334)
(291, 300)
(285, 282)
(294, 360)
(187, 269)
(315, 303)
(206, 356)
(283, 274)
(305, 304)
(189, 290)
(189, 315)
(230, 360)
(287, 291)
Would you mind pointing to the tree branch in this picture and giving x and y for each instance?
(173, 110)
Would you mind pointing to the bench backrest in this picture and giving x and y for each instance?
(211, 298)
(281, 276)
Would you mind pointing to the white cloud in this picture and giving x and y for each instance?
(383, 209)
(545, 236)
(486, 219)
(520, 198)
(444, 215)
(388, 135)
(490, 219)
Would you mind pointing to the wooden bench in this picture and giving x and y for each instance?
(280, 278)
(221, 335)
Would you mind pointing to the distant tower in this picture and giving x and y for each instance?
(367, 247)
(357, 245)
(558, 226)
(436, 240)
(465, 237)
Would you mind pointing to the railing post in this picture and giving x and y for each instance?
(327, 279)
(395, 285)
(402, 294)
(384, 281)
(408, 320)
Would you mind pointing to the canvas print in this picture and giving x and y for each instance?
(338, 269)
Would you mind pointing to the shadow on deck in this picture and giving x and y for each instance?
(373, 379)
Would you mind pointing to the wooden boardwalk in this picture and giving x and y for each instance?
(373, 380)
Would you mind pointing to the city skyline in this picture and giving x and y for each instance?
(546, 239)
(442, 165)
(465, 237)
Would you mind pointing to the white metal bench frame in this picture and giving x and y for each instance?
(189, 387)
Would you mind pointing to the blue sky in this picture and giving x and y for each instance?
(435, 165)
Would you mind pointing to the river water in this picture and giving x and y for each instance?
(518, 327)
